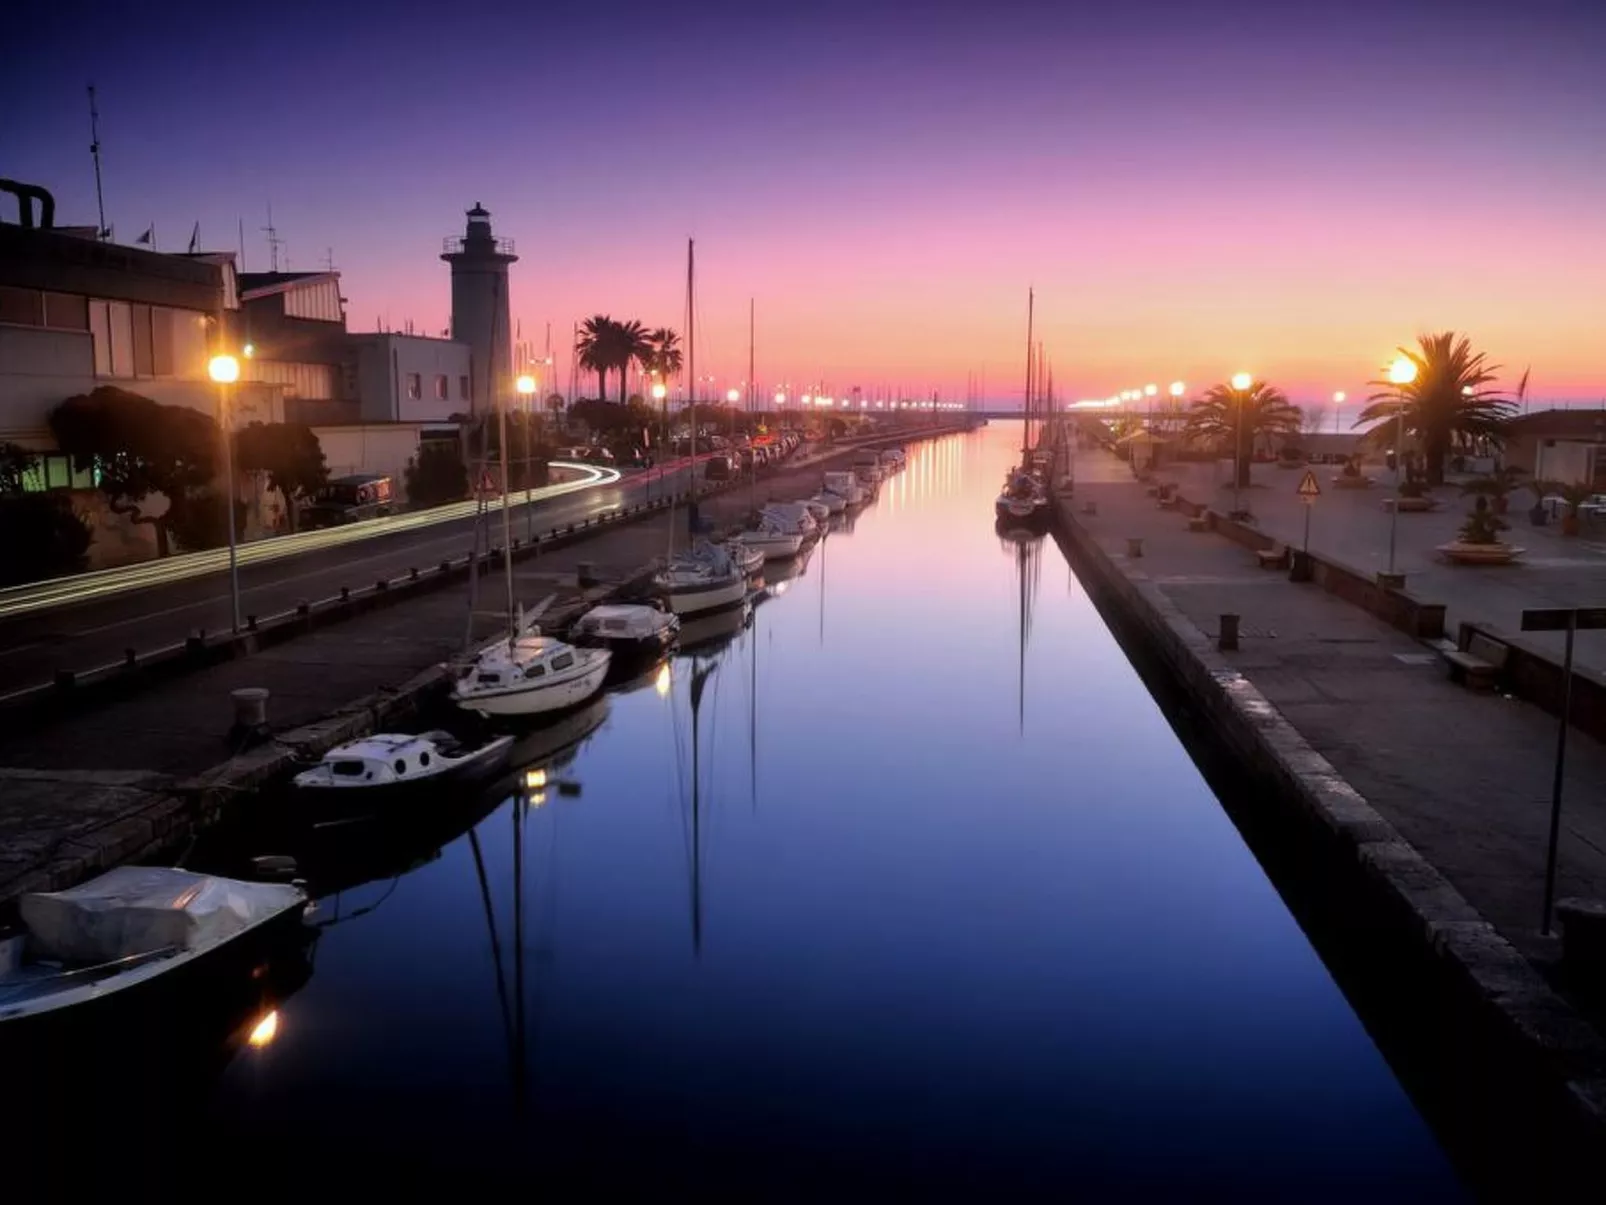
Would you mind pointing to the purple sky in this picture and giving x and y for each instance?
(1192, 188)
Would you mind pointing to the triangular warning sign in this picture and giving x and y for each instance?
(1308, 487)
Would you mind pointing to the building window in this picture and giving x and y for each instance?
(415, 386)
(462, 388)
(144, 360)
(21, 307)
(441, 392)
(66, 312)
(57, 473)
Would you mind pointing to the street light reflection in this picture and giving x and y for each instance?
(265, 1030)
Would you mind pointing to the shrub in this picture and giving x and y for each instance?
(45, 537)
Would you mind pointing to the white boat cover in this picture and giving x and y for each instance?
(140, 909)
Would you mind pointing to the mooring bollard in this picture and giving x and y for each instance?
(303, 608)
(382, 585)
(1227, 638)
(345, 593)
(412, 575)
(446, 566)
(1134, 546)
(250, 707)
(130, 658)
(250, 623)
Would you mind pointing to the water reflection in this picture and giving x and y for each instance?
(948, 955)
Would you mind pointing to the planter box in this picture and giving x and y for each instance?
(1458, 552)
(1408, 506)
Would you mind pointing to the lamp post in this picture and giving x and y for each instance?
(660, 394)
(1338, 400)
(525, 388)
(1241, 381)
(1401, 373)
(225, 370)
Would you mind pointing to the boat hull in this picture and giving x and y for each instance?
(1029, 514)
(540, 699)
(715, 596)
(325, 803)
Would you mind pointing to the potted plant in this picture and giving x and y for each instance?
(1574, 494)
(1478, 541)
(1497, 487)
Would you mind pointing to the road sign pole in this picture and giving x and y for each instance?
(1306, 548)
(1561, 765)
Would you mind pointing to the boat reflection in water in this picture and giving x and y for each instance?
(708, 634)
(1024, 545)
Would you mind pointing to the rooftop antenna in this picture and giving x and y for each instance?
(274, 242)
(328, 259)
(102, 232)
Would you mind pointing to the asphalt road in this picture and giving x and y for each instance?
(88, 634)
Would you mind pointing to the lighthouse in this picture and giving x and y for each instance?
(480, 311)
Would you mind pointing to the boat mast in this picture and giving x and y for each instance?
(752, 387)
(1026, 422)
(691, 358)
(507, 510)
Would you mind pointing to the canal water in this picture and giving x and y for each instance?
(900, 883)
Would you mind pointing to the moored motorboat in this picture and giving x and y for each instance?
(820, 510)
(1022, 502)
(631, 630)
(770, 542)
(834, 504)
(794, 518)
(530, 675)
(358, 776)
(102, 941)
(846, 486)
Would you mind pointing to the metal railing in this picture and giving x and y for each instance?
(457, 244)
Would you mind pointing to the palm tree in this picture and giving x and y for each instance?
(1264, 411)
(596, 346)
(630, 342)
(1447, 401)
(664, 359)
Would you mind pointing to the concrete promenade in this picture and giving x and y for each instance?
(1464, 776)
(1351, 526)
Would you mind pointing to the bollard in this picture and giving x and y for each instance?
(382, 585)
(446, 566)
(345, 593)
(1134, 546)
(586, 574)
(250, 623)
(303, 608)
(250, 707)
(195, 643)
(412, 575)
(1227, 639)
(130, 658)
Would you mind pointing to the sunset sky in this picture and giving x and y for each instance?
(1191, 188)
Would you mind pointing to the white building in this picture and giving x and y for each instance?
(411, 379)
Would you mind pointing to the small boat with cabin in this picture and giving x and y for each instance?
(379, 770)
(770, 541)
(530, 674)
(845, 485)
(703, 579)
(747, 558)
(632, 630)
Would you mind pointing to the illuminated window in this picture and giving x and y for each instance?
(415, 386)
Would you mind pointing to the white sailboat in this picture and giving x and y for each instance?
(706, 578)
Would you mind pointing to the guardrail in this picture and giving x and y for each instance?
(75, 689)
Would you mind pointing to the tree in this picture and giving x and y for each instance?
(45, 536)
(198, 521)
(597, 347)
(291, 456)
(1263, 409)
(138, 447)
(554, 403)
(436, 474)
(1447, 401)
(663, 356)
(630, 343)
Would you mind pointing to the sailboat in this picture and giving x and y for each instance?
(527, 673)
(1024, 499)
(706, 577)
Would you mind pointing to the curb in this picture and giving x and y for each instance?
(1506, 1001)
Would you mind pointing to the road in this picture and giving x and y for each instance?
(82, 635)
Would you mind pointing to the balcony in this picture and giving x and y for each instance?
(458, 244)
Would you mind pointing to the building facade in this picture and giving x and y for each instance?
(412, 379)
(1565, 445)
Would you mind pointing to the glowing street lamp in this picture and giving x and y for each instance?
(1401, 373)
(524, 386)
(733, 396)
(1241, 381)
(660, 394)
(225, 370)
(780, 399)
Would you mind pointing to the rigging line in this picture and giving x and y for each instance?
(496, 945)
(390, 890)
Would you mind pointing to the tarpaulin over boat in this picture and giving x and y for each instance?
(140, 909)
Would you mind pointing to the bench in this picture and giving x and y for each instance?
(1199, 523)
(1479, 664)
(1275, 557)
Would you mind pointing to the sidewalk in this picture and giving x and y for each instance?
(1464, 777)
(1352, 527)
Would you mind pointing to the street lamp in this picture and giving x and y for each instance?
(1241, 381)
(780, 399)
(733, 396)
(660, 394)
(524, 386)
(1401, 373)
(1338, 400)
(225, 370)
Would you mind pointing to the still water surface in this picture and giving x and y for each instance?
(931, 915)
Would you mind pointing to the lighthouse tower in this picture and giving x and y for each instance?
(480, 312)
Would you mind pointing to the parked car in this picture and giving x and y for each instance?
(349, 500)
